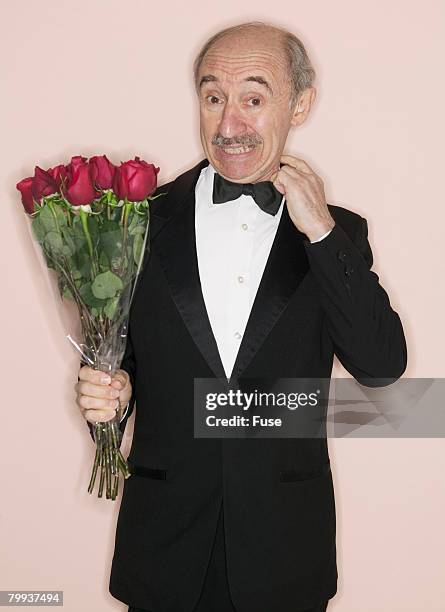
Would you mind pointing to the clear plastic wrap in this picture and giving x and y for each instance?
(95, 251)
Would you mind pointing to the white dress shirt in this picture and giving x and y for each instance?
(233, 242)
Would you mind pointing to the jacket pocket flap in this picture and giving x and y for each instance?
(147, 472)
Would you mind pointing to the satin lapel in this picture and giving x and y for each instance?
(176, 248)
(174, 194)
(285, 269)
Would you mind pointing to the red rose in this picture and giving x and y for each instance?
(120, 183)
(135, 180)
(43, 184)
(102, 171)
(76, 160)
(25, 188)
(79, 187)
(59, 175)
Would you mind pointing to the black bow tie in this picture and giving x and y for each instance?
(264, 193)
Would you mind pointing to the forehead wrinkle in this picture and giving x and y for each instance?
(232, 72)
(264, 61)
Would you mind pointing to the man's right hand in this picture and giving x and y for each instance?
(99, 395)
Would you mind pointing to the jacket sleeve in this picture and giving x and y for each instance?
(129, 365)
(366, 332)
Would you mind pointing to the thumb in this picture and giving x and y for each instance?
(120, 379)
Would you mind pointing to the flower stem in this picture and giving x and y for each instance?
(51, 207)
(94, 472)
(124, 220)
(102, 475)
(86, 231)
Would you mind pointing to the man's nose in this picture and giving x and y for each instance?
(232, 122)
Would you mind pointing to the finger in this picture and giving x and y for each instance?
(291, 171)
(85, 401)
(101, 416)
(297, 163)
(286, 177)
(94, 376)
(92, 390)
(304, 179)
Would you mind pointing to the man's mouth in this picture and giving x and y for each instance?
(237, 150)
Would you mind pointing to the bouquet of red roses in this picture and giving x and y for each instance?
(91, 220)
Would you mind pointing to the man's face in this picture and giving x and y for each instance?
(244, 99)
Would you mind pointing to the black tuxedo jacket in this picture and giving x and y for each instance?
(314, 300)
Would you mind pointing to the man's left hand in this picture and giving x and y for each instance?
(305, 197)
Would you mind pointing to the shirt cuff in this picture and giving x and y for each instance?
(321, 237)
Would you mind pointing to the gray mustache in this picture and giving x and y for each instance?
(243, 140)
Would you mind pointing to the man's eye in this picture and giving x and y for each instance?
(255, 101)
(212, 99)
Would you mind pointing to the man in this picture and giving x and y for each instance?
(251, 274)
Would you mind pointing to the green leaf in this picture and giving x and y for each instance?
(110, 308)
(38, 230)
(138, 244)
(54, 244)
(104, 261)
(93, 228)
(69, 244)
(132, 222)
(139, 229)
(61, 215)
(67, 295)
(106, 285)
(88, 297)
(111, 241)
(48, 220)
(77, 228)
(85, 267)
(81, 254)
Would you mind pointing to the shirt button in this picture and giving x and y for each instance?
(237, 335)
(245, 226)
(241, 279)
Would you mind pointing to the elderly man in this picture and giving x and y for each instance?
(251, 274)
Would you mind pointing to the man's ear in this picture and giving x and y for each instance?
(303, 106)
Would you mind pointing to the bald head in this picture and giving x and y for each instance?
(295, 66)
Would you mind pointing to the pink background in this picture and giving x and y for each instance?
(93, 76)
